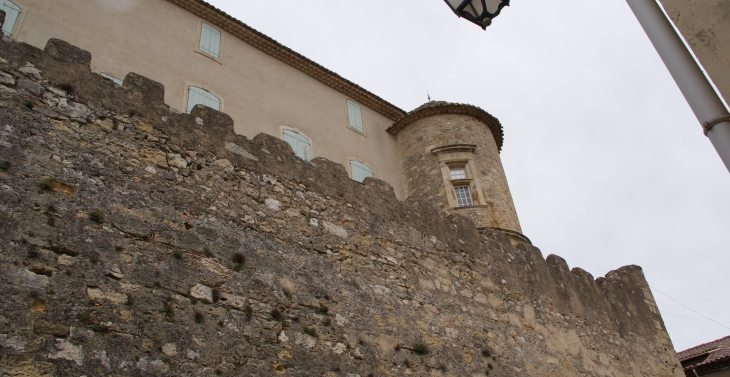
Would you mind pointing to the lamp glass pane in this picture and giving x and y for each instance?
(454, 3)
(493, 5)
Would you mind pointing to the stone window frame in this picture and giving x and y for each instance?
(197, 42)
(460, 156)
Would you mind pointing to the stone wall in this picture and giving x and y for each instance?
(138, 241)
(705, 25)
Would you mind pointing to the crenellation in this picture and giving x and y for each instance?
(163, 243)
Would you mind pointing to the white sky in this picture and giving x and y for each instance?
(605, 160)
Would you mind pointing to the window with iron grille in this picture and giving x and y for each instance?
(463, 196)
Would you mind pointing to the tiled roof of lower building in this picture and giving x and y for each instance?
(716, 351)
(271, 47)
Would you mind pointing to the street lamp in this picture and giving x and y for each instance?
(479, 12)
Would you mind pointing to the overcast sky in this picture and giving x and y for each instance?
(606, 162)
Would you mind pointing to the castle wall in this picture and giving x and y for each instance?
(136, 241)
(158, 39)
(424, 180)
(705, 25)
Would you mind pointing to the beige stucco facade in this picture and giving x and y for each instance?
(705, 25)
(159, 40)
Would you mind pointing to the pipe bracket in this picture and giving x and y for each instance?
(707, 126)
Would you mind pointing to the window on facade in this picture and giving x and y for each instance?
(458, 173)
(198, 96)
(360, 171)
(110, 77)
(355, 115)
(463, 196)
(210, 41)
(11, 15)
(299, 143)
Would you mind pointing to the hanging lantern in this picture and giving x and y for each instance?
(480, 12)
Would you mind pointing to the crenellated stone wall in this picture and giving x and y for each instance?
(137, 241)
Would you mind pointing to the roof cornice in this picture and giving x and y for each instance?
(440, 108)
(275, 49)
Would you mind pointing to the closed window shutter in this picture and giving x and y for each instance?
(299, 144)
(11, 15)
(360, 171)
(355, 115)
(210, 40)
(198, 96)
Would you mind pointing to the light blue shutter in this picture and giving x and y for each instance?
(114, 79)
(198, 96)
(210, 40)
(11, 15)
(360, 171)
(299, 144)
(355, 115)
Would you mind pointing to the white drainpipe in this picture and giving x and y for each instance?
(696, 88)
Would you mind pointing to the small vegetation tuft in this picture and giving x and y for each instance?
(4, 165)
(45, 184)
(130, 300)
(169, 311)
(216, 294)
(323, 308)
(311, 331)
(239, 260)
(248, 311)
(177, 254)
(84, 317)
(28, 104)
(207, 252)
(420, 349)
(96, 216)
(94, 258)
(100, 328)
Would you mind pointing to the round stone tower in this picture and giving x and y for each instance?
(449, 156)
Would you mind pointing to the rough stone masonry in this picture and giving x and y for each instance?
(138, 241)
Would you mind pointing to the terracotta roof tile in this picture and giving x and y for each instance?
(432, 108)
(717, 350)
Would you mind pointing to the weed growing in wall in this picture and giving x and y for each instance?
(96, 216)
(420, 349)
(4, 165)
(45, 184)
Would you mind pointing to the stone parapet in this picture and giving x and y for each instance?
(138, 241)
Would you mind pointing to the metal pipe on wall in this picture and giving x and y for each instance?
(696, 88)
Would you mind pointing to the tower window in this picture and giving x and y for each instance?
(198, 96)
(355, 115)
(458, 173)
(463, 196)
(210, 40)
(11, 15)
(360, 171)
(299, 143)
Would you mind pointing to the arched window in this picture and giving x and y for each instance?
(11, 15)
(198, 96)
(299, 143)
(360, 171)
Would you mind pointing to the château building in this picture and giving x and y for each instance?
(446, 154)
